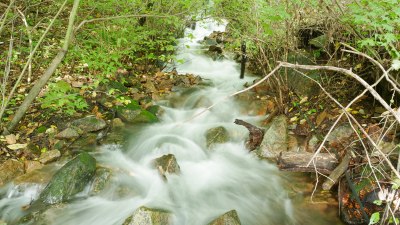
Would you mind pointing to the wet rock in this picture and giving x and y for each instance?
(229, 218)
(147, 216)
(293, 144)
(100, 180)
(69, 180)
(89, 124)
(117, 123)
(167, 164)
(313, 144)
(301, 85)
(210, 41)
(86, 142)
(9, 170)
(275, 138)
(340, 134)
(215, 48)
(115, 136)
(68, 133)
(32, 165)
(216, 135)
(49, 156)
(39, 176)
(321, 41)
(134, 116)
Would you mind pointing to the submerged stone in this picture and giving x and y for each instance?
(100, 180)
(69, 180)
(216, 135)
(167, 164)
(147, 216)
(229, 218)
(275, 138)
(89, 124)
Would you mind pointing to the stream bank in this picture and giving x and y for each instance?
(137, 157)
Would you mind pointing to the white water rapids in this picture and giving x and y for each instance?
(211, 182)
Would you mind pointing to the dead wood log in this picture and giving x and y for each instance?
(256, 134)
(297, 162)
(336, 173)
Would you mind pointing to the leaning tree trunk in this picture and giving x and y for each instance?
(33, 93)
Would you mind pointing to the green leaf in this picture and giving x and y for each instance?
(378, 202)
(375, 217)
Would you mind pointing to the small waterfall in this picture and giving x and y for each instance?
(211, 181)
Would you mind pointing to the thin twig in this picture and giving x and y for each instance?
(28, 31)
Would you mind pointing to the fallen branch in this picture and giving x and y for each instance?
(256, 134)
(324, 163)
(337, 173)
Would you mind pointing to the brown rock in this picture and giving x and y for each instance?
(9, 170)
(31, 165)
(49, 156)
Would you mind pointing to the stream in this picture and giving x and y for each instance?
(211, 181)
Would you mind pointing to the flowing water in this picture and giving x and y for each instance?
(211, 182)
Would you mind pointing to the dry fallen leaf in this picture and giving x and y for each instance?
(16, 146)
(11, 139)
(321, 117)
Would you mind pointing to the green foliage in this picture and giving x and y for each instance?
(378, 22)
(61, 97)
(375, 217)
(254, 21)
(108, 45)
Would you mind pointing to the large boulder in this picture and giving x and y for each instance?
(9, 170)
(147, 216)
(229, 218)
(216, 135)
(69, 180)
(275, 138)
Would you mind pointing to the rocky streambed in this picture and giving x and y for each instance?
(179, 162)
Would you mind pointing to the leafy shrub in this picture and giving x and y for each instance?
(378, 23)
(61, 97)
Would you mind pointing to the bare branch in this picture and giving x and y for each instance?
(351, 74)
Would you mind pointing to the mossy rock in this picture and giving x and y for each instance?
(147, 216)
(69, 180)
(229, 218)
(134, 116)
(216, 135)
